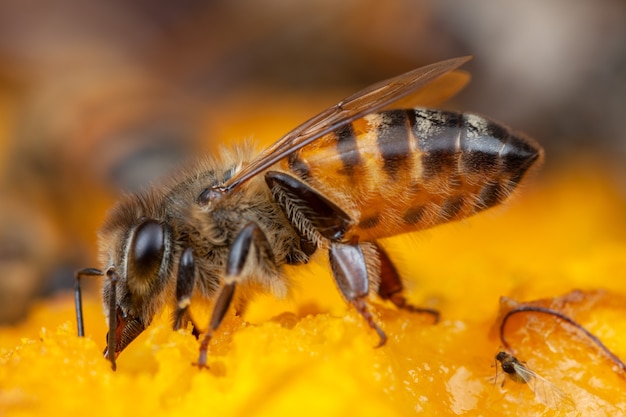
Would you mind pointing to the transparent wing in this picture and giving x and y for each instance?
(545, 391)
(369, 100)
(434, 93)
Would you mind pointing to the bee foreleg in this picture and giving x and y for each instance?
(245, 251)
(185, 282)
(391, 287)
(78, 299)
(350, 271)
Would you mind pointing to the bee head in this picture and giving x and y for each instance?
(136, 248)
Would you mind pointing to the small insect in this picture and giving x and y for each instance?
(545, 391)
(360, 171)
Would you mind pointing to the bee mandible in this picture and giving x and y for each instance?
(358, 172)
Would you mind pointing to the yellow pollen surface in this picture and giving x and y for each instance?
(313, 356)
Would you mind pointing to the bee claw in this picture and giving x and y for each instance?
(434, 313)
(200, 365)
(382, 336)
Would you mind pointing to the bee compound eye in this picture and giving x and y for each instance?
(147, 249)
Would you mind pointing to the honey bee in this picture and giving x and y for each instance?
(359, 171)
(545, 392)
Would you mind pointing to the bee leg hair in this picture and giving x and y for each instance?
(308, 208)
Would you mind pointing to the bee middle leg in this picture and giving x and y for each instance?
(391, 288)
(249, 246)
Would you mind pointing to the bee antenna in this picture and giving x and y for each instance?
(111, 342)
(78, 299)
(558, 314)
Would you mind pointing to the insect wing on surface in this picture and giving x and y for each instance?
(545, 391)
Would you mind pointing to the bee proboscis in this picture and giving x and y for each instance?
(359, 171)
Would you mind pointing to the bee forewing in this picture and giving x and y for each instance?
(435, 93)
(545, 391)
(353, 107)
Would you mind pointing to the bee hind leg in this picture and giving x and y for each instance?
(307, 208)
(391, 288)
(242, 261)
(350, 271)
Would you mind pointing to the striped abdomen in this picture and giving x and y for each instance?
(404, 170)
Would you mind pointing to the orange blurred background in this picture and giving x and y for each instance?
(102, 97)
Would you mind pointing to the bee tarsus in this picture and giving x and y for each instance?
(219, 311)
(391, 287)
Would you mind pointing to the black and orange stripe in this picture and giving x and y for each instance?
(404, 170)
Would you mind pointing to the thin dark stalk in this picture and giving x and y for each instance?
(558, 314)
